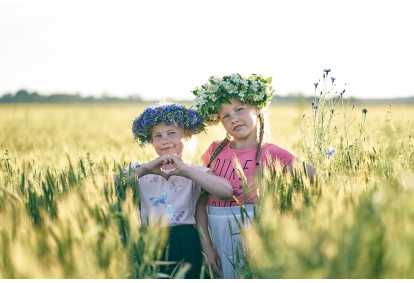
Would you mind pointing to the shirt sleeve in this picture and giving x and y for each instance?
(209, 152)
(132, 166)
(280, 154)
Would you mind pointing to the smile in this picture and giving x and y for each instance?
(238, 127)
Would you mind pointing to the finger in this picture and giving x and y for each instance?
(171, 159)
(218, 262)
(216, 271)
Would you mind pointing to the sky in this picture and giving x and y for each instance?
(162, 49)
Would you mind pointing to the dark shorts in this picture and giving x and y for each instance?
(183, 245)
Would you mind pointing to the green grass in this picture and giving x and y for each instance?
(61, 216)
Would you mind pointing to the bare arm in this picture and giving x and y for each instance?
(203, 232)
(215, 185)
(311, 171)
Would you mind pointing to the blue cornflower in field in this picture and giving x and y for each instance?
(326, 70)
(364, 111)
(330, 152)
(315, 84)
(333, 79)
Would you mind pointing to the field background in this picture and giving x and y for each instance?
(60, 216)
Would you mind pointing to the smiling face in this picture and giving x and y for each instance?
(239, 119)
(168, 140)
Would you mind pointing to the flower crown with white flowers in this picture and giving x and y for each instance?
(254, 90)
(179, 115)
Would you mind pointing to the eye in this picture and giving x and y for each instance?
(239, 109)
(225, 117)
(171, 133)
(157, 136)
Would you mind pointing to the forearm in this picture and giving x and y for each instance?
(310, 170)
(202, 222)
(215, 185)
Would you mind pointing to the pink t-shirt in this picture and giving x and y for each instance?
(173, 201)
(223, 165)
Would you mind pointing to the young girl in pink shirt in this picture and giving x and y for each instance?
(169, 187)
(239, 104)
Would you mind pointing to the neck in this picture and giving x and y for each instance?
(244, 144)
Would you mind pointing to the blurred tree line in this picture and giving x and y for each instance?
(23, 96)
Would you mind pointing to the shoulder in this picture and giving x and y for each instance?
(276, 151)
(211, 148)
(272, 146)
(215, 144)
(133, 166)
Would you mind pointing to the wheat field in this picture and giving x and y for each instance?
(61, 217)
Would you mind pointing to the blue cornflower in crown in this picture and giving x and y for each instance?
(254, 90)
(176, 114)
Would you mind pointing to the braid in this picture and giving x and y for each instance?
(261, 134)
(218, 149)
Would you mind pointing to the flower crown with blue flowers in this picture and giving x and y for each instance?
(254, 90)
(179, 115)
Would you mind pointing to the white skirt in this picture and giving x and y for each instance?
(227, 240)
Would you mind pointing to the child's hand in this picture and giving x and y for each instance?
(155, 166)
(213, 261)
(181, 167)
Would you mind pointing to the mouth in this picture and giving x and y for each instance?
(237, 128)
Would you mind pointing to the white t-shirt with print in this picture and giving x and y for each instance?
(173, 201)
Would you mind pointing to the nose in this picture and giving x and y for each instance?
(234, 120)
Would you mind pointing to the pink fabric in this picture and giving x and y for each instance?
(223, 165)
(172, 201)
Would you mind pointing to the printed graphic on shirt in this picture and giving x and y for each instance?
(155, 201)
(151, 179)
(174, 187)
(226, 168)
(172, 215)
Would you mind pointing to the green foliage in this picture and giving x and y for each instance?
(62, 216)
(327, 134)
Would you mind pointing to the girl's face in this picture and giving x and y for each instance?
(239, 119)
(168, 140)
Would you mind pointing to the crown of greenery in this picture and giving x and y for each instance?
(176, 114)
(254, 90)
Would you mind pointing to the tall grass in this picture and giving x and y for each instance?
(62, 217)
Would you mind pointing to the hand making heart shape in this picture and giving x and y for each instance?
(157, 166)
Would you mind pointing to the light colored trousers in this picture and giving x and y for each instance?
(227, 240)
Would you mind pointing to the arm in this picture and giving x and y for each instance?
(215, 185)
(131, 174)
(311, 171)
(202, 228)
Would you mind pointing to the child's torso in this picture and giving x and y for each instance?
(173, 200)
(244, 189)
